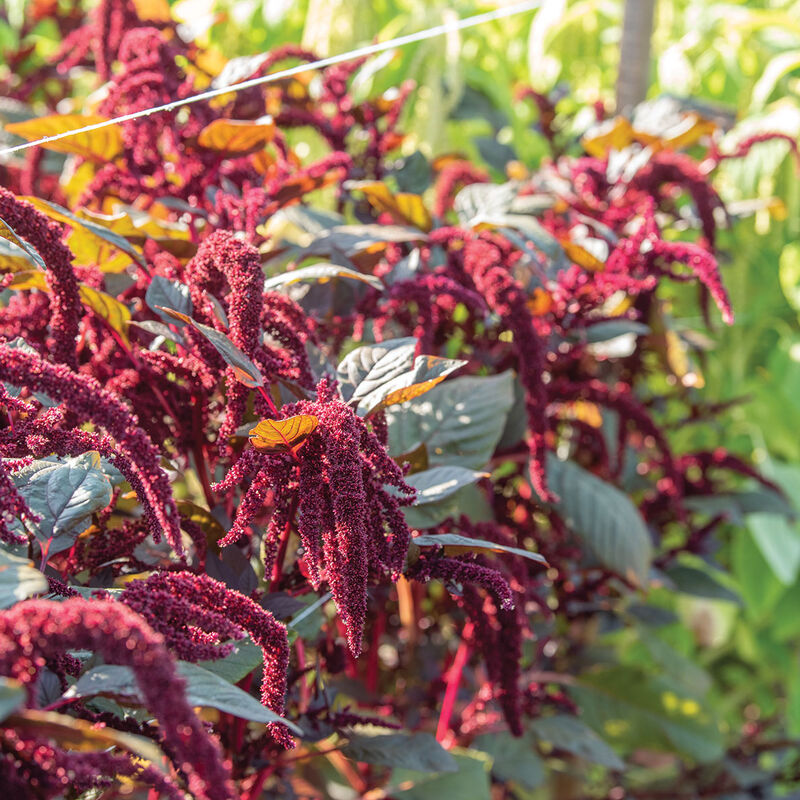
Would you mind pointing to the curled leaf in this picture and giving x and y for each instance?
(101, 145)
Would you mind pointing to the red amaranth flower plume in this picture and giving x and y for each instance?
(195, 614)
(349, 524)
(65, 303)
(85, 398)
(35, 630)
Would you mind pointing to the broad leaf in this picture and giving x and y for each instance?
(570, 734)
(245, 370)
(7, 232)
(436, 484)
(603, 517)
(456, 544)
(405, 208)
(237, 137)
(158, 329)
(19, 579)
(320, 273)
(459, 421)
(102, 145)
(612, 328)
(80, 734)
(470, 781)
(351, 240)
(64, 493)
(282, 435)
(514, 758)
(240, 662)
(102, 234)
(701, 583)
(417, 751)
(634, 711)
(165, 293)
(13, 258)
(203, 688)
(108, 308)
(779, 542)
(370, 366)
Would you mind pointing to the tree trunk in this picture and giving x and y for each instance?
(634, 62)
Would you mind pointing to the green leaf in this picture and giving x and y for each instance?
(626, 707)
(12, 696)
(700, 583)
(434, 485)
(469, 500)
(604, 518)
(7, 232)
(245, 657)
(456, 540)
(570, 734)
(64, 493)
(350, 240)
(460, 421)
(515, 758)
(367, 368)
(611, 329)
(19, 579)
(321, 273)
(169, 294)
(387, 373)
(416, 751)
(469, 782)
(779, 543)
(203, 688)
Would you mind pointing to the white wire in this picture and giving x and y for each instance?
(380, 47)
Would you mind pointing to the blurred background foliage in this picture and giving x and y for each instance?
(737, 60)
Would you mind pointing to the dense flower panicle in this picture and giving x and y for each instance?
(450, 180)
(348, 523)
(85, 398)
(12, 507)
(195, 613)
(38, 629)
(45, 236)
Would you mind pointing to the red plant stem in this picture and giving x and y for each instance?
(270, 402)
(259, 779)
(453, 680)
(305, 692)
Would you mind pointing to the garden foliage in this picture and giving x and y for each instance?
(361, 454)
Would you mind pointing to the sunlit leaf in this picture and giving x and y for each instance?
(168, 294)
(456, 544)
(405, 208)
(237, 137)
(29, 279)
(107, 308)
(13, 258)
(321, 273)
(282, 435)
(19, 579)
(102, 145)
(72, 733)
(7, 232)
(203, 688)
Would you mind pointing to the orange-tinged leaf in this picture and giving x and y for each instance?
(107, 308)
(540, 302)
(410, 392)
(262, 161)
(582, 257)
(517, 171)
(297, 186)
(615, 134)
(101, 145)
(235, 136)
(693, 128)
(282, 435)
(405, 208)
(171, 312)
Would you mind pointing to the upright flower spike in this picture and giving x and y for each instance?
(194, 612)
(65, 303)
(35, 630)
(85, 398)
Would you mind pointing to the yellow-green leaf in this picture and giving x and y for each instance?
(108, 308)
(236, 136)
(101, 145)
